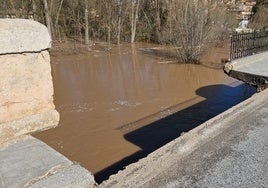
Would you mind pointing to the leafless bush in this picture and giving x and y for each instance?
(195, 25)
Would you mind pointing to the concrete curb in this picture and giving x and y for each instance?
(252, 70)
(72, 176)
(28, 162)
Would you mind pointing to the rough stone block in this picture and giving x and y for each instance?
(28, 162)
(26, 87)
(21, 35)
(73, 176)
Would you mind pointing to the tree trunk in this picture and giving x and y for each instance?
(134, 17)
(47, 17)
(34, 8)
(119, 22)
(108, 23)
(158, 23)
(57, 21)
(169, 15)
(86, 24)
(109, 37)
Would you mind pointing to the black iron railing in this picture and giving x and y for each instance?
(246, 44)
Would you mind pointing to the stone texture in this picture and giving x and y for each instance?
(74, 176)
(25, 85)
(26, 89)
(28, 162)
(20, 35)
(28, 124)
(27, 159)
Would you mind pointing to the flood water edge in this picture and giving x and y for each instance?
(118, 106)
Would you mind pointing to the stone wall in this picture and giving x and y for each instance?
(26, 88)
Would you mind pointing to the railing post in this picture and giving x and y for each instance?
(231, 48)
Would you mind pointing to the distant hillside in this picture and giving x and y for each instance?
(243, 9)
(260, 17)
(254, 10)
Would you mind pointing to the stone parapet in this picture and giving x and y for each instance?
(26, 88)
(21, 35)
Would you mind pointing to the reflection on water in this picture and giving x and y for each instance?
(120, 105)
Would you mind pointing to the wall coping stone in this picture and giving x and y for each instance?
(23, 35)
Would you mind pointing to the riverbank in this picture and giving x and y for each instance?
(214, 57)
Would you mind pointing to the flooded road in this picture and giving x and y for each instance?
(118, 106)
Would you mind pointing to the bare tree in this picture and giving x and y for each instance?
(119, 23)
(134, 17)
(57, 19)
(34, 8)
(108, 23)
(86, 24)
(157, 20)
(196, 25)
(47, 16)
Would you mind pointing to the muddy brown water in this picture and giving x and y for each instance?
(118, 106)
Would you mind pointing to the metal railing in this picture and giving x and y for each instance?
(246, 44)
